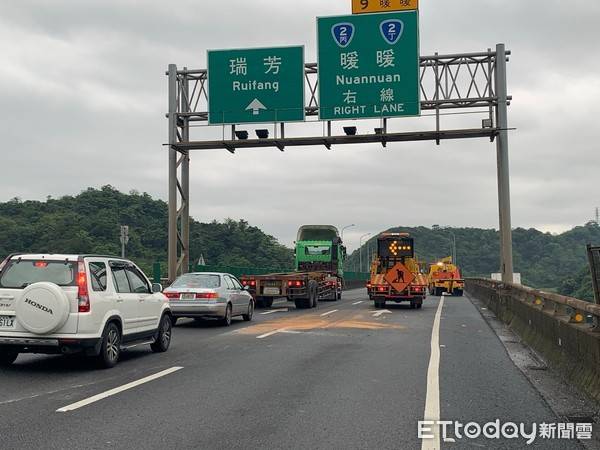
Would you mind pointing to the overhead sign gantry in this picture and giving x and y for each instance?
(245, 87)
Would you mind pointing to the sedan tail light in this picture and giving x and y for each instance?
(172, 294)
(207, 295)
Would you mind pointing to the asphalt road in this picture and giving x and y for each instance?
(343, 376)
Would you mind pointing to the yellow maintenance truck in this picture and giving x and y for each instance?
(444, 277)
(395, 272)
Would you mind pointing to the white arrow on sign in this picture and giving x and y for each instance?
(379, 313)
(255, 105)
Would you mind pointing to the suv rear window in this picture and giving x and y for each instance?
(19, 274)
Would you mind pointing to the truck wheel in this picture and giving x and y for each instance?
(379, 304)
(302, 303)
(438, 292)
(458, 292)
(413, 305)
(313, 295)
(268, 302)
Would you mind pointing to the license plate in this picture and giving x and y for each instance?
(7, 322)
(271, 291)
(188, 296)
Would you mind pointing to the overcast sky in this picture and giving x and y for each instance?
(83, 96)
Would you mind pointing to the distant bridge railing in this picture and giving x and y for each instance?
(561, 329)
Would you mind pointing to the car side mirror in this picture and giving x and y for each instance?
(156, 287)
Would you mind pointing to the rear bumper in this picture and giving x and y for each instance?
(90, 346)
(190, 309)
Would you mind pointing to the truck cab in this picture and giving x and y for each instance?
(319, 248)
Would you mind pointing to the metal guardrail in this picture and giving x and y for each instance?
(577, 311)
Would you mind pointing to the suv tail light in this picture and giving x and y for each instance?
(296, 283)
(83, 299)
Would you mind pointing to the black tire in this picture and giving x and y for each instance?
(226, 321)
(248, 317)
(379, 304)
(7, 357)
(268, 302)
(419, 305)
(339, 295)
(174, 321)
(312, 289)
(302, 303)
(110, 350)
(413, 305)
(163, 338)
(458, 292)
(438, 292)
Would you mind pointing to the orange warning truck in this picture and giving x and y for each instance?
(395, 272)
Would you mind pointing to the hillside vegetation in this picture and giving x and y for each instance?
(90, 223)
(557, 262)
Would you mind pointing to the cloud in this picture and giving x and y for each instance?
(84, 94)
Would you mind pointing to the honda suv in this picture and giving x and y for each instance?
(65, 304)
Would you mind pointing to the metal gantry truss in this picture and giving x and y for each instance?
(475, 81)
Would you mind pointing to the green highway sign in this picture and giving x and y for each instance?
(369, 66)
(256, 85)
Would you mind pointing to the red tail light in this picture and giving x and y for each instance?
(252, 283)
(83, 299)
(40, 264)
(381, 289)
(172, 294)
(368, 285)
(207, 295)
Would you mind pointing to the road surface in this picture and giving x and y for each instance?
(343, 376)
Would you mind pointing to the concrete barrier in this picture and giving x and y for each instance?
(561, 329)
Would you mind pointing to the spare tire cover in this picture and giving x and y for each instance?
(42, 308)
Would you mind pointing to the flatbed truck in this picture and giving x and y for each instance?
(318, 274)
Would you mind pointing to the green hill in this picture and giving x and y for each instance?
(557, 262)
(90, 221)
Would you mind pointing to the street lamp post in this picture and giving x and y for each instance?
(360, 249)
(345, 228)
(446, 229)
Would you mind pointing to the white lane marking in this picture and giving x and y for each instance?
(274, 311)
(329, 312)
(357, 303)
(270, 333)
(379, 313)
(432, 401)
(111, 392)
(291, 332)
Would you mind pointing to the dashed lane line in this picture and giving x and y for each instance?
(117, 390)
(329, 312)
(357, 303)
(270, 333)
(274, 311)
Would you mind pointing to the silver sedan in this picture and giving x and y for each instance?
(209, 295)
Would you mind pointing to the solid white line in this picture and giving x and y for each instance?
(274, 311)
(432, 401)
(357, 303)
(270, 333)
(329, 312)
(117, 390)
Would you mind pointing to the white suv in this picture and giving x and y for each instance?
(64, 304)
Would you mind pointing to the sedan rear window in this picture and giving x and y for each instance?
(19, 274)
(197, 281)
